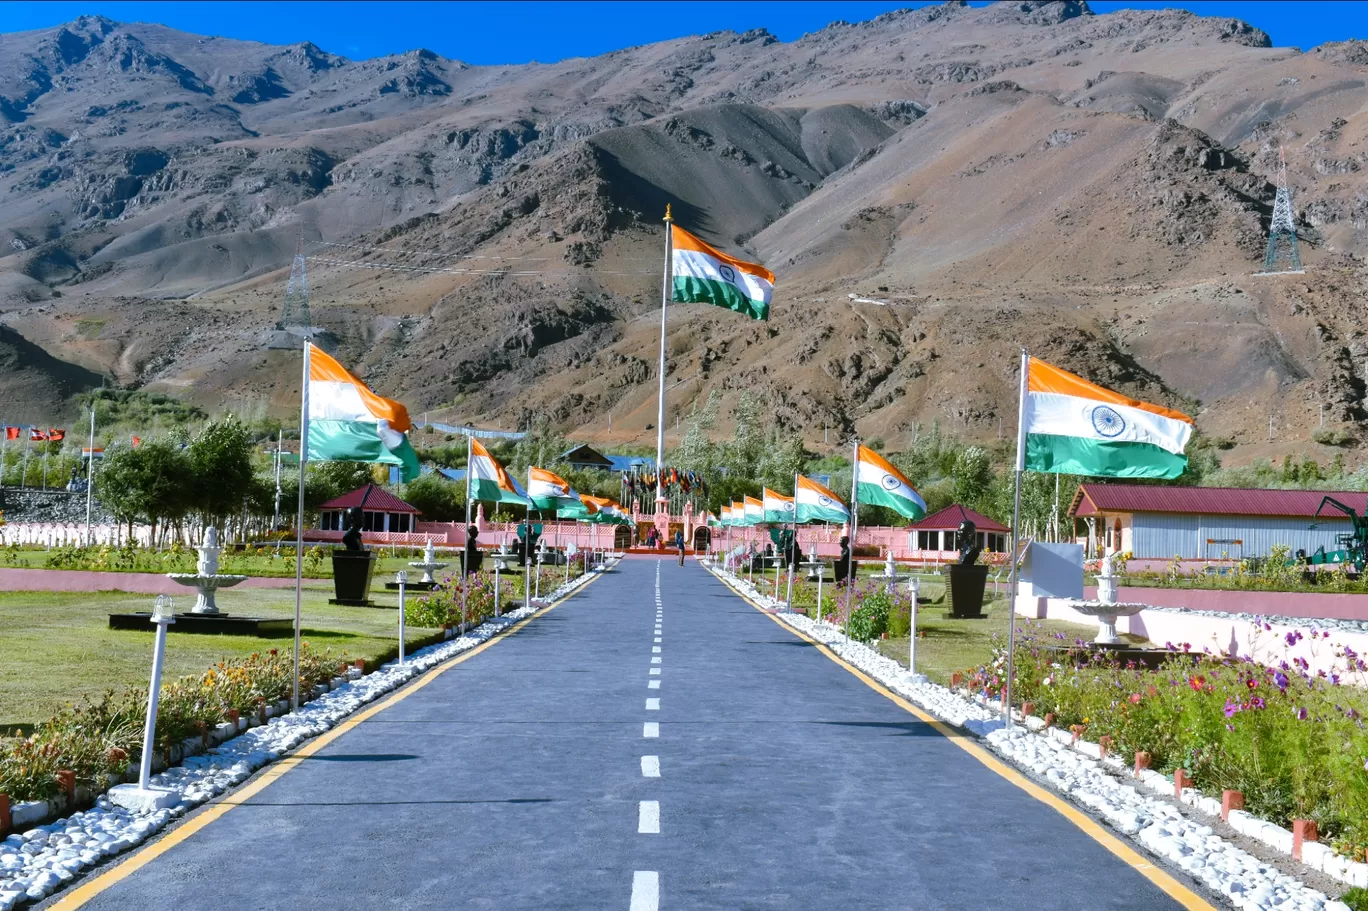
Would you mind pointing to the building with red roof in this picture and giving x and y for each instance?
(1207, 523)
(938, 531)
(380, 511)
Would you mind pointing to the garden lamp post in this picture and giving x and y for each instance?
(401, 577)
(914, 587)
(142, 796)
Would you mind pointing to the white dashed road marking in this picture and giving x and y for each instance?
(645, 891)
(653, 705)
(648, 818)
(650, 766)
(652, 684)
(650, 729)
(655, 672)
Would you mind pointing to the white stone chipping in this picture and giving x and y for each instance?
(42, 860)
(1243, 880)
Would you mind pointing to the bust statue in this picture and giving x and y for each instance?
(351, 539)
(969, 549)
(472, 556)
(842, 567)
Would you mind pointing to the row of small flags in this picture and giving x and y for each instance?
(51, 435)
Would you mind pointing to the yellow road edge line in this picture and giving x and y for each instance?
(143, 856)
(1168, 884)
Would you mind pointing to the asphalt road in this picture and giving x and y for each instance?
(524, 778)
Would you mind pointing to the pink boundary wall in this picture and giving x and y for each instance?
(1224, 636)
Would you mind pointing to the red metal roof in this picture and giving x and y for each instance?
(377, 499)
(1092, 499)
(949, 519)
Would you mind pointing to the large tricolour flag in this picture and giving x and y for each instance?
(488, 479)
(778, 508)
(704, 275)
(815, 503)
(548, 490)
(1076, 427)
(349, 423)
(878, 483)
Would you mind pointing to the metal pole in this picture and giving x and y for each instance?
(4, 444)
(23, 472)
(1022, 422)
(913, 585)
(90, 472)
(280, 442)
(660, 405)
(402, 578)
(854, 523)
(465, 554)
(497, 611)
(299, 524)
(163, 616)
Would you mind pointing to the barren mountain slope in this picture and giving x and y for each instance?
(485, 241)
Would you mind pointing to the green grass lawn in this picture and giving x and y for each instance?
(957, 645)
(58, 646)
(267, 562)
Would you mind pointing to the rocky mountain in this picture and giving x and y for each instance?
(485, 241)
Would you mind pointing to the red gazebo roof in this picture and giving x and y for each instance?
(376, 499)
(949, 519)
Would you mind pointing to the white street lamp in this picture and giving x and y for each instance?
(142, 797)
(401, 577)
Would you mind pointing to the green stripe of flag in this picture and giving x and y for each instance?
(875, 495)
(359, 441)
(691, 290)
(1100, 458)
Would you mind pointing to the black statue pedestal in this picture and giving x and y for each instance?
(352, 571)
(964, 587)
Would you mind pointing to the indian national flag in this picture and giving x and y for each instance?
(778, 508)
(1076, 427)
(584, 509)
(703, 275)
(815, 503)
(738, 514)
(489, 481)
(349, 423)
(726, 516)
(878, 483)
(711, 520)
(754, 510)
(548, 490)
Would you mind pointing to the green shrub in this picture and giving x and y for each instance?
(1356, 898)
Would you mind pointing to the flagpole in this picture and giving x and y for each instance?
(660, 405)
(1016, 536)
(527, 544)
(854, 522)
(280, 443)
(90, 471)
(299, 523)
(794, 550)
(23, 472)
(465, 557)
(4, 444)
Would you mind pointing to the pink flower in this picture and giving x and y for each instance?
(1135, 698)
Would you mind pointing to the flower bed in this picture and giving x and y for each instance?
(1292, 741)
(101, 738)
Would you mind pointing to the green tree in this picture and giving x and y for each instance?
(220, 458)
(438, 499)
(973, 478)
(150, 483)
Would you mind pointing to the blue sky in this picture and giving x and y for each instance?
(492, 33)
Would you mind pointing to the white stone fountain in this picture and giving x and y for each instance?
(890, 572)
(1105, 608)
(428, 564)
(206, 579)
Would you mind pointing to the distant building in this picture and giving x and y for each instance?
(381, 511)
(939, 531)
(586, 456)
(1206, 523)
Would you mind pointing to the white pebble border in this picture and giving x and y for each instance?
(44, 859)
(1076, 772)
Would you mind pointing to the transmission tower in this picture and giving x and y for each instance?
(1282, 256)
(294, 314)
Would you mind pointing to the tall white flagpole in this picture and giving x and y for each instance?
(527, 544)
(4, 444)
(660, 405)
(795, 551)
(280, 442)
(299, 522)
(465, 556)
(854, 522)
(1016, 537)
(28, 444)
(90, 472)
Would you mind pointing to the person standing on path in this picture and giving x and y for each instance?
(679, 542)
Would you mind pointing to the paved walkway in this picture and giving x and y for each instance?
(616, 755)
